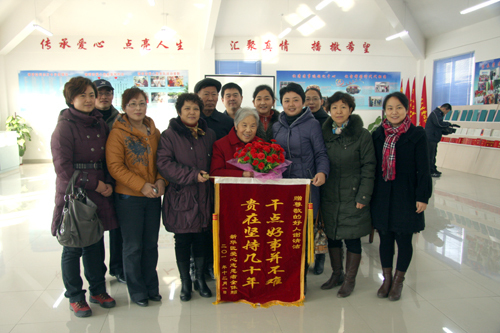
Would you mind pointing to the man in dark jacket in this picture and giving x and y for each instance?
(208, 90)
(232, 96)
(104, 100)
(434, 129)
(103, 103)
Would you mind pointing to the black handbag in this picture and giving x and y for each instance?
(320, 238)
(79, 225)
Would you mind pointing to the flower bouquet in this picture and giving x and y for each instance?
(266, 160)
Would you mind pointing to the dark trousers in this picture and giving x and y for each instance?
(94, 270)
(386, 249)
(353, 245)
(432, 156)
(139, 219)
(115, 252)
(185, 243)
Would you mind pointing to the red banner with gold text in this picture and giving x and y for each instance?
(260, 249)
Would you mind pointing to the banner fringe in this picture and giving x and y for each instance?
(266, 305)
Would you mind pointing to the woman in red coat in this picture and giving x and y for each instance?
(78, 143)
(245, 127)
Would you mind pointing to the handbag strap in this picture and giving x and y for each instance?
(71, 184)
(319, 220)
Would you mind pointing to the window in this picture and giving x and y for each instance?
(452, 81)
(238, 67)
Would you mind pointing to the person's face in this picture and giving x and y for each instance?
(104, 99)
(292, 103)
(340, 112)
(136, 108)
(85, 102)
(190, 113)
(263, 102)
(313, 101)
(445, 110)
(395, 111)
(209, 96)
(232, 100)
(246, 129)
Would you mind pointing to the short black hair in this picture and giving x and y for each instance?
(316, 90)
(188, 97)
(230, 85)
(447, 106)
(264, 87)
(400, 96)
(208, 82)
(341, 96)
(292, 87)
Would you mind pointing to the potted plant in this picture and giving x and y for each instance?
(18, 124)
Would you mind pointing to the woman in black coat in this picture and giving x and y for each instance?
(403, 186)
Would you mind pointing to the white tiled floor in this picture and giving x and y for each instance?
(453, 284)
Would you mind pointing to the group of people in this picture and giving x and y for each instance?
(358, 180)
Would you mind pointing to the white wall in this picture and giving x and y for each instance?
(482, 38)
(384, 56)
(29, 56)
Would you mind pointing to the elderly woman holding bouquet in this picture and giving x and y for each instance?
(245, 127)
(183, 159)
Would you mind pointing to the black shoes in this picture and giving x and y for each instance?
(142, 302)
(120, 278)
(435, 175)
(319, 264)
(155, 298)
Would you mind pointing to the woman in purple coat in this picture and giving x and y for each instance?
(183, 159)
(78, 143)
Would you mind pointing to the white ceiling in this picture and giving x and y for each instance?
(361, 19)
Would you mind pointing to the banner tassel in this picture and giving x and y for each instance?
(310, 234)
(215, 226)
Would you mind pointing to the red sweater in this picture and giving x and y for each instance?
(223, 151)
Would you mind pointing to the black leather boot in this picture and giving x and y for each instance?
(319, 264)
(192, 271)
(200, 283)
(185, 280)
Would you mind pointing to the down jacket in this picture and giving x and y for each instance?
(304, 146)
(394, 202)
(81, 138)
(352, 173)
(187, 204)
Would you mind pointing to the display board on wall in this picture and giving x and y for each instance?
(248, 83)
(41, 92)
(367, 88)
(487, 82)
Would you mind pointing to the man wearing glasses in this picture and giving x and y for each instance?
(103, 103)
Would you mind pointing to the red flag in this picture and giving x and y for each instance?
(413, 105)
(401, 89)
(407, 93)
(423, 106)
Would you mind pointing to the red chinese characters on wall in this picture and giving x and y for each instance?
(316, 46)
(46, 44)
(268, 46)
(251, 45)
(99, 45)
(128, 45)
(234, 45)
(63, 44)
(366, 46)
(179, 45)
(146, 46)
(81, 44)
(284, 45)
(161, 44)
(350, 46)
(334, 47)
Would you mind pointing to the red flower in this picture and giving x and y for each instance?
(261, 156)
(266, 149)
(253, 151)
(235, 155)
(255, 162)
(248, 145)
(261, 165)
(254, 155)
(270, 159)
(258, 145)
(246, 158)
(272, 140)
(241, 154)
